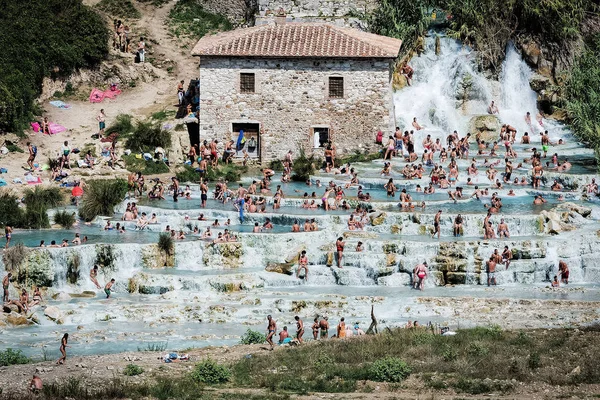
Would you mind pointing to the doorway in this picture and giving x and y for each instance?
(250, 142)
(320, 136)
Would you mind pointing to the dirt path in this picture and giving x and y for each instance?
(156, 93)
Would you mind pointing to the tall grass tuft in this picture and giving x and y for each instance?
(101, 196)
(147, 136)
(65, 219)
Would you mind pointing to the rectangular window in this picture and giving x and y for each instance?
(336, 87)
(247, 82)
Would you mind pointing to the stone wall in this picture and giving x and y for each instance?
(340, 12)
(235, 10)
(292, 97)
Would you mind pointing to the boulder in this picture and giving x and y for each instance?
(395, 280)
(390, 259)
(295, 254)
(17, 319)
(437, 277)
(54, 314)
(61, 296)
(581, 210)
(84, 294)
(377, 219)
(280, 268)
(486, 127)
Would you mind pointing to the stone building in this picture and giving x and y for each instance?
(296, 85)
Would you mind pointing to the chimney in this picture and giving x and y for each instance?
(280, 17)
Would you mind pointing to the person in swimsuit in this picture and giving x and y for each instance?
(391, 146)
(299, 328)
(490, 268)
(302, 264)
(63, 349)
(503, 229)
(339, 244)
(8, 235)
(315, 328)
(555, 282)
(341, 329)
(506, 256)
(108, 287)
(271, 328)
(436, 224)
(458, 221)
(37, 297)
(324, 327)
(563, 271)
(5, 284)
(101, 118)
(421, 273)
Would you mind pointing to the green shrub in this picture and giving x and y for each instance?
(13, 357)
(150, 167)
(357, 156)
(101, 196)
(276, 165)
(303, 167)
(389, 369)
(132, 370)
(13, 148)
(119, 8)
(189, 19)
(74, 36)
(14, 256)
(477, 349)
(449, 353)
(147, 136)
(10, 212)
(73, 263)
(64, 218)
(48, 197)
(252, 337)
(122, 125)
(534, 361)
(188, 174)
(228, 172)
(208, 371)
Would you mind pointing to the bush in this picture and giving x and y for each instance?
(303, 167)
(253, 337)
(38, 201)
(188, 174)
(210, 372)
(119, 8)
(132, 370)
(449, 353)
(122, 125)
(228, 172)
(389, 369)
(147, 136)
(14, 256)
(276, 165)
(13, 357)
(75, 36)
(101, 196)
(10, 212)
(189, 19)
(65, 219)
(151, 167)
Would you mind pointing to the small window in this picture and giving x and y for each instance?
(247, 83)
(336, 87)
(321, 137)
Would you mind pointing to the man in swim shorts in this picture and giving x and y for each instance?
(271, 328)
(490, 268)
(107, 288)
(5, 283)
(324, 326)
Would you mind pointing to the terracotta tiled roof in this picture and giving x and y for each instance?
(298, 40)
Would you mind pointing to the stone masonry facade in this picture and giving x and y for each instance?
(339, 12)
(292, 98)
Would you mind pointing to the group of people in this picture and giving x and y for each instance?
(320, 330)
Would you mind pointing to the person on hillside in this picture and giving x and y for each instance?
(63, 349)
(339, 244)
(420, 272)
(324, 327)
(302, 265)
(5, 285)
(65, 152)
(341, 329)
(101, 118)
(299, 329)
(180, 91)
(8, 230)
(563, 272)
(32, 154)
(271, 328)
(108, 288)
(142, 50)
(36, 385)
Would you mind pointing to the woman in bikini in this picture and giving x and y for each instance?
(303, 265)
(63, 349)
(391, 188)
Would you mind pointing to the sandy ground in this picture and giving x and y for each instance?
(140, 101)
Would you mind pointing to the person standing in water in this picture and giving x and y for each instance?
(436, 224)
(324, 326)
(94, 276)
(108, 287)
(271, 328)
(315, 328)
(299, 329)
(175, 188)
(563, 272)
(341, 329)
(8, 235)
(303, 265)
(420, 272)
(63, 349)
(339, 244)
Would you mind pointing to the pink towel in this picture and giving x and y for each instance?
(39, 181)
(35, 126)
(56, 128)
(111, 94)
(96, 96)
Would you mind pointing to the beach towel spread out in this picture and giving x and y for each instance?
(97, 95)
(35, 126)
(56, 128)
(60, 104)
